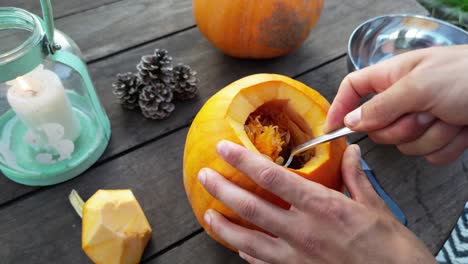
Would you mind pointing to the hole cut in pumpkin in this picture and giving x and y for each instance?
(275, 129)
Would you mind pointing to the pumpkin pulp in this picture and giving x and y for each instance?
(274, 129)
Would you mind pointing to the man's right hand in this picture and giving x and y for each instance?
(421, 103)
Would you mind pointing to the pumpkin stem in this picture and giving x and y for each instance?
(76, 202)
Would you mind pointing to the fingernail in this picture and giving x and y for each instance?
(242, 255)
(352, 119)
(222, 148)
(207, 218)
(424, 118)
(202, 176)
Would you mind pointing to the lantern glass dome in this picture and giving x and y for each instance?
(52, 126)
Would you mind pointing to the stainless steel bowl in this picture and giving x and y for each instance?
(383, 37)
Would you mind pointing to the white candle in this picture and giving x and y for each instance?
(39, 98)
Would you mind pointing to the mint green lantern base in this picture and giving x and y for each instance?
(89, 147)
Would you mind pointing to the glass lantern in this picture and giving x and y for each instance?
(52, 126)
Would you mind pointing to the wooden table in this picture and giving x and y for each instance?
(38, 225)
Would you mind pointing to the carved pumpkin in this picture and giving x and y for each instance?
(256, 29)
(268, 114)
(115, 228)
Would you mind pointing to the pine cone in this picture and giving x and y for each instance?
(185, 82)
(156, 101)
(127, 89)
(156, 68)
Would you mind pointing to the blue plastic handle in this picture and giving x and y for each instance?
(396, 210)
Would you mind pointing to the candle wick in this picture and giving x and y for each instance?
(23, 84)
(31, 92)
(26, 89)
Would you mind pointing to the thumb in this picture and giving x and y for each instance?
(355, 179)
(385, 108)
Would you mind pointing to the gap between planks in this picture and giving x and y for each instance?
(173, 245)
(86, 9)
(110, 55)
(320, 66)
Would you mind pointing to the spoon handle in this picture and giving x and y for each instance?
(319, 140)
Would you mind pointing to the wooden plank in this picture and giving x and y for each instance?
(124, 24)
(327, 78)
(44, 228)
(432, 199)
(61, 8)
(130, 129)
(199, 249)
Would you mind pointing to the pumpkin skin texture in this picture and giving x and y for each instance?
(256, 29)
(223, 117)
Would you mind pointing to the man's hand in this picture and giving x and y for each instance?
(421, 103)
(322, 225)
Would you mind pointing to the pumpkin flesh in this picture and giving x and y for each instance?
(284, 105)
(115, 228)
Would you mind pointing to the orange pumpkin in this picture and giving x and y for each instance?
(267, 114)
(256, 29)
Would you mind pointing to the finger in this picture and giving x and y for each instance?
(245, 204)
(451, 151)
(406, 129)
(437, 136)
(254, 243)
(251, 259)
(356, 180)
(287, 185)
(401, 98)
(373, 79)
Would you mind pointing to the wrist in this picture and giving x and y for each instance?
(410, 249)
